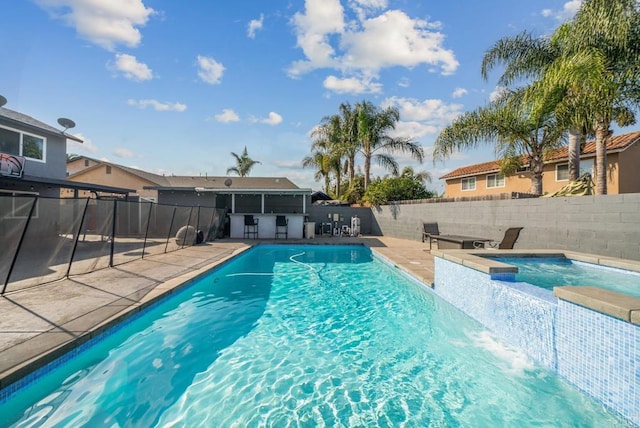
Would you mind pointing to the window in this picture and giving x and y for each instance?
(32, 147)
(86, 162)
(562, 172)
(108, 169)
(20, 144)
(469, 183)
(587, 166)
(495, 180)
(9, 142)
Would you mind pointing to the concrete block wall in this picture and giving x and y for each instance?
(607, 225)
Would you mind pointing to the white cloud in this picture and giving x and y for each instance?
(121, 152)
(497, 93)
(288, 164)
(273, 119)
(404, 82)
(131, 68)
(227, 115)
(106, 23)
(84, 147)
(210, 70)
(413, 129)
(157, 105)
(394, 39)
(420, 118)
(254, 25)
(569, 9)
(459, 92)
(433, 111)
(351, 85)
(321, 19)
(366, 45)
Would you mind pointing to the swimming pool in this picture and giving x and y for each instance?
(302, 336)
(549, 272)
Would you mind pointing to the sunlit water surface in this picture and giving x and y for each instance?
(303, 336)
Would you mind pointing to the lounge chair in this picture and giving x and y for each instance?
(508, 241)
(429, 230)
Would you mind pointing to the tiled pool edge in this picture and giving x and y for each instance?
(27, 371)
(598, 353)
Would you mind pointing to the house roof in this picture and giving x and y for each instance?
(208, 183)
(34, 123)
(616, 143)
(148, 176)
(220, 183)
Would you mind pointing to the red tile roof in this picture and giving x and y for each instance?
(615, 144)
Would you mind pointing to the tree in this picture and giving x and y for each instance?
(326, 140)
(520, 134)
(602, 59)
(244, 164)
(373, 125)
(527, 57)
(587, 70)
(406, 186)
(321, 162)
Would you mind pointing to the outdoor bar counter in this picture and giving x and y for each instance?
(267, 225)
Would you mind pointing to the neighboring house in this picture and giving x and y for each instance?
(33, 158)
(623, 171)
(263, 198)
(86, 169)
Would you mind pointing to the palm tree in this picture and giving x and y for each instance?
(422, 176)
(520, 134)
(375, 144)
(320, 161)
(602, 58)
(588, 70)
(327, 152)
(527, 57)
(244, 164)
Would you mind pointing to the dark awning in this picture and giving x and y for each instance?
(66, 184)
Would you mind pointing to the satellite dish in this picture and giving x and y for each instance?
(3, 101)
(228, 182)
(66, 123)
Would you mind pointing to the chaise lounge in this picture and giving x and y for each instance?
(508, 241)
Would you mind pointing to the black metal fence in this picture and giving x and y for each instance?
(46, 239)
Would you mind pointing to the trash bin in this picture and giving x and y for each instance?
(310, 229)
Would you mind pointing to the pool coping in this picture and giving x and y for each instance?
(617, 305)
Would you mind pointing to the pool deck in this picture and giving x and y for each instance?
(41, 323)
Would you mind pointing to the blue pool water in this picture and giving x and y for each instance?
(302, 336)
(549, 272)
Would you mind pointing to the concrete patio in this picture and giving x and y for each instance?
(41, 323)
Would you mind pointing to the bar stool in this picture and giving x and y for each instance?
(282, 226)
(250, 226)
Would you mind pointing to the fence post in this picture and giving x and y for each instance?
(187, 232)
(15, 256)
(113, 231)
(75, 241)
(170, 227)
(213, 216)
(146, 232)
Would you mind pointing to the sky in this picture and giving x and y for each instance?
(174, 87)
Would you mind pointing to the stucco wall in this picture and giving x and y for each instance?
(117, 178)
(630, 161)
(608, 225)
(522, 182)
